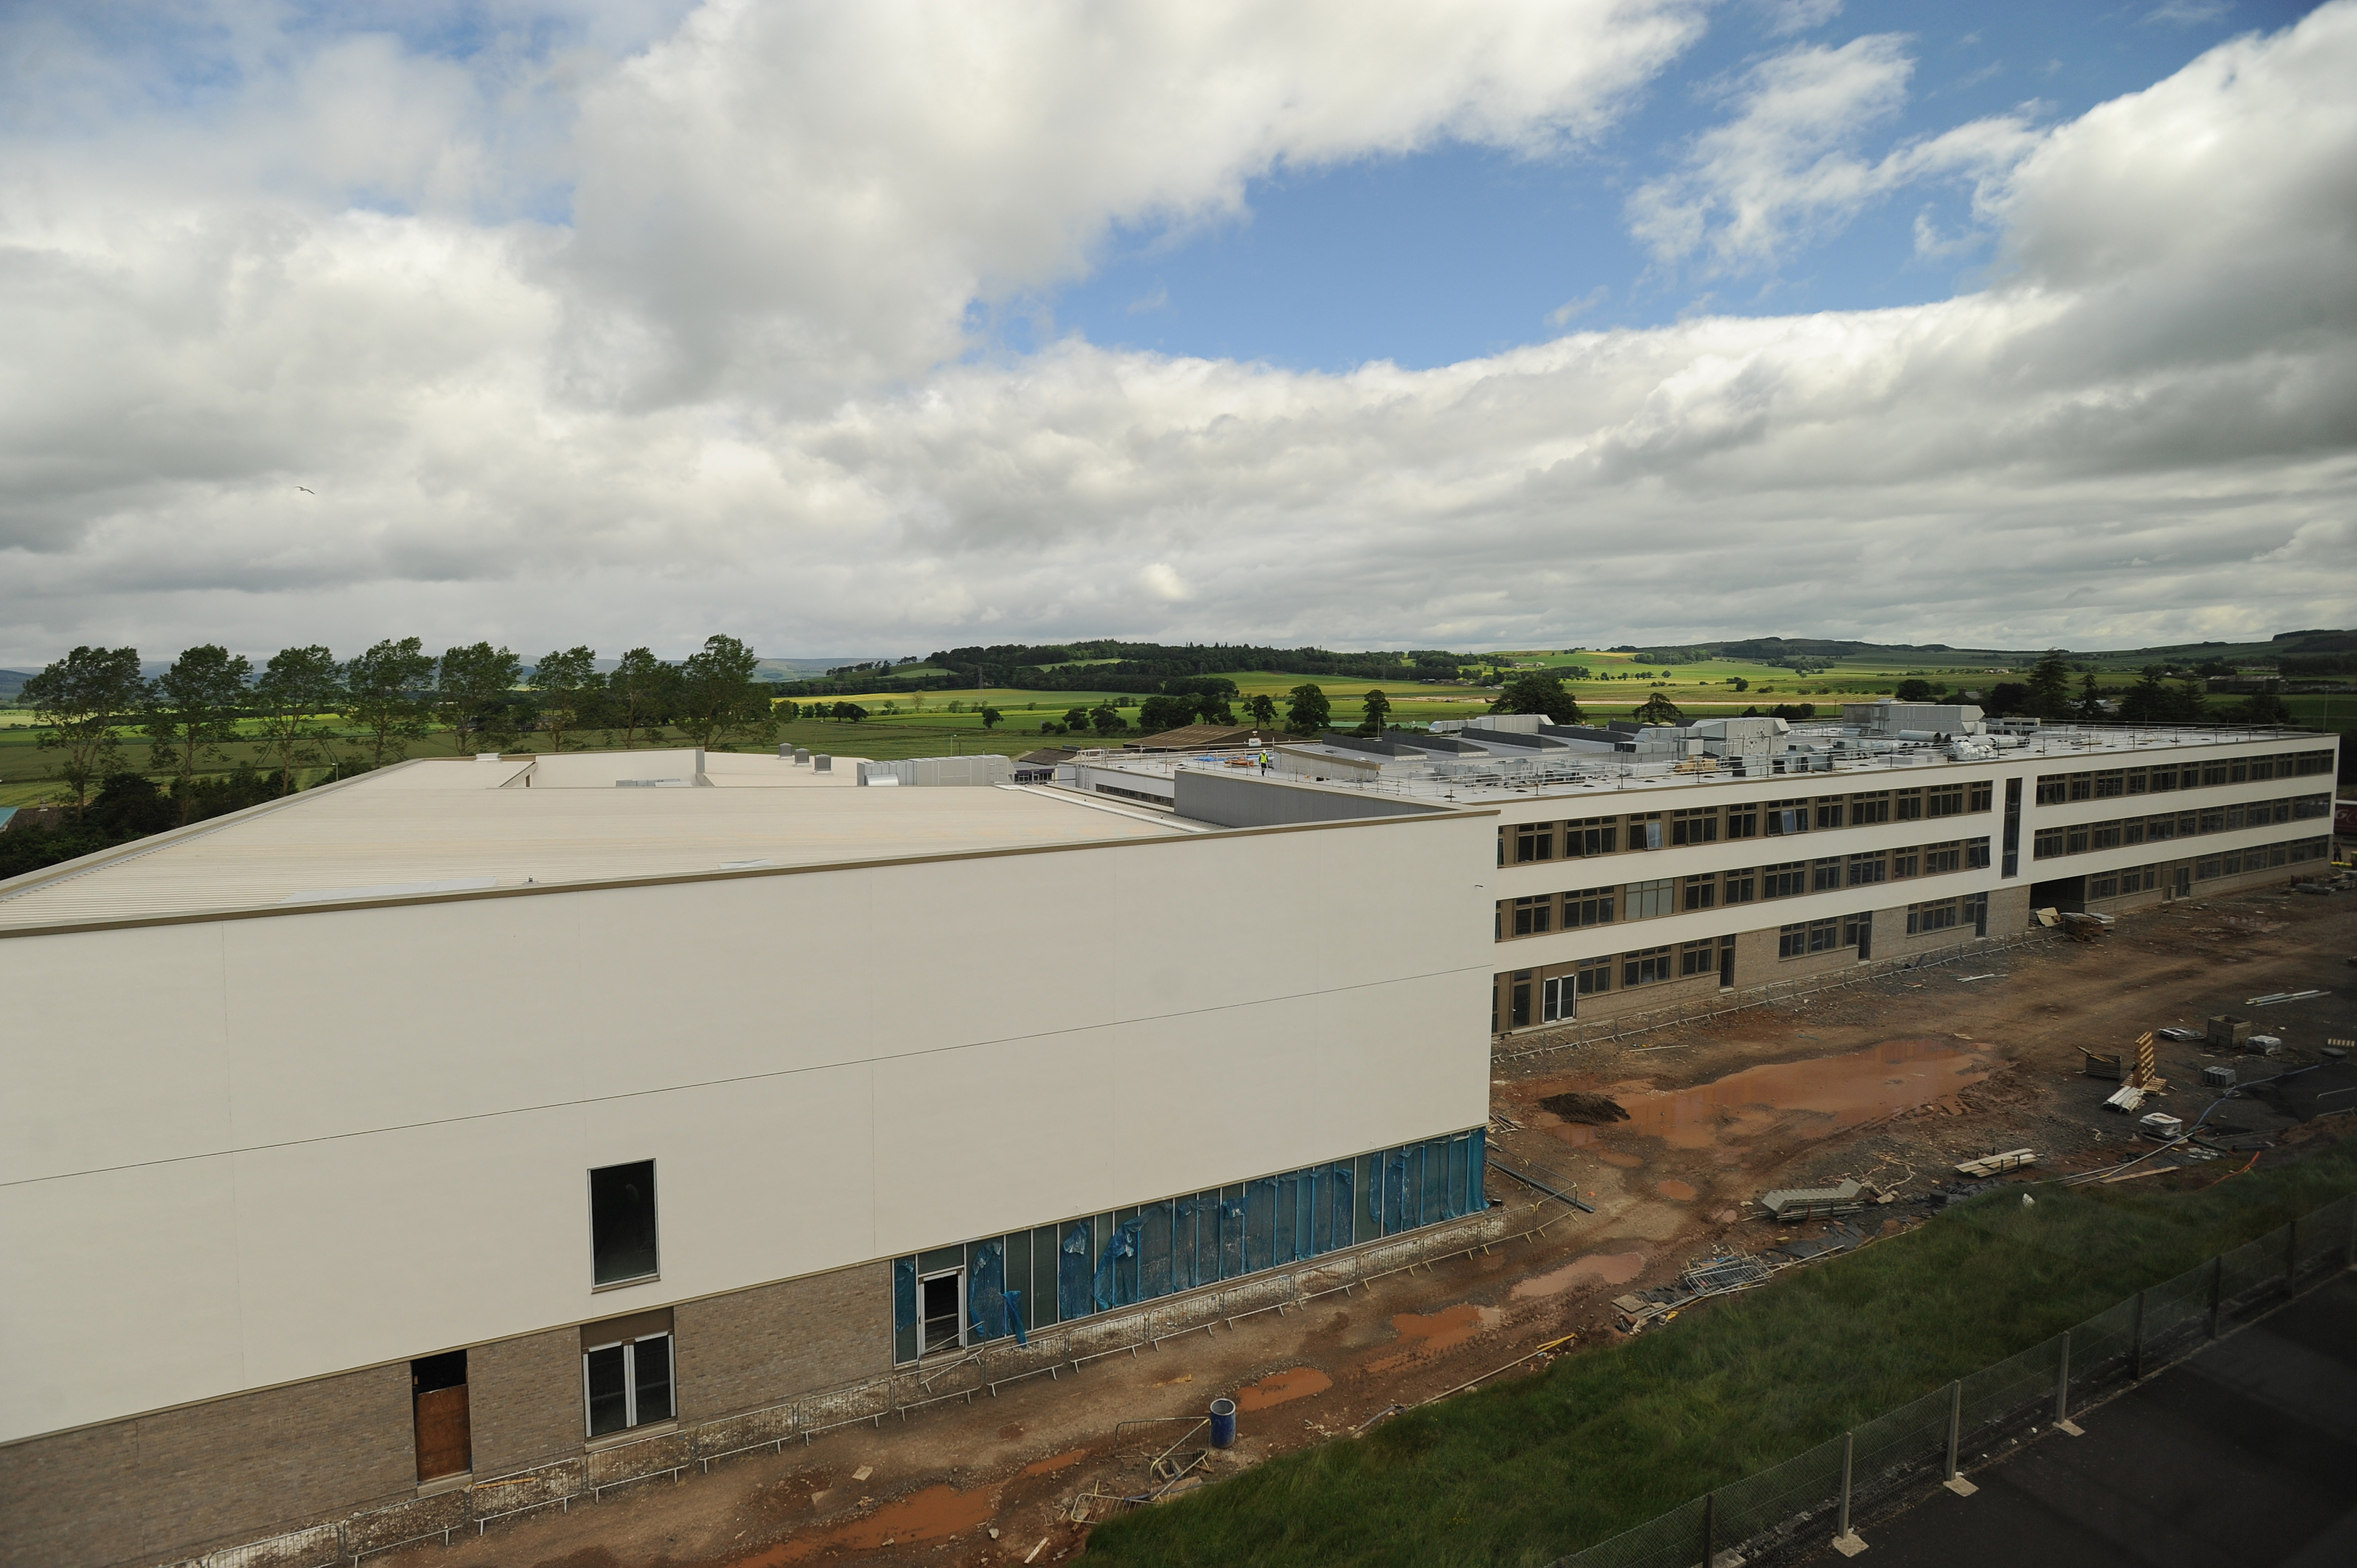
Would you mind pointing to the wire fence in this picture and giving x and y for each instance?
(1800, 1505)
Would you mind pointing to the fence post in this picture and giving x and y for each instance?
(2217, 1284)
(2136, 1344)
(1955, 1424)
(1849, 1442)
(2062, 1382)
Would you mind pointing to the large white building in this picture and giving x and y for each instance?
(469, 1115)
(462, 1120)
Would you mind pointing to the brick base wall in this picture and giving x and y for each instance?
(754, 1348)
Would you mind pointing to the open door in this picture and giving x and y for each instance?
(437, 1391)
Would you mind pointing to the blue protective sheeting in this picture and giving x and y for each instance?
(1196, 1239)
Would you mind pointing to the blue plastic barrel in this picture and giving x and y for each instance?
(1223, 1424)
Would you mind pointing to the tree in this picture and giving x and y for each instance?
(1106, 720)
(1738, 682)
(718, 698)
(1308, 712)
(384, 695)
(294, 688)
(566, 683)
(81, 703)
(192, 708)
(2264, 706)
(1378, 707)
(849, 713)
(2049, 686)
(1263, 709)
(1913, 691)
(2006, 697)
(472, 689)
(1660, 709)
(640, 693)
(1538, 691)
(1076, 721)
(1163, 712)
(2091, 701)
(990, 717)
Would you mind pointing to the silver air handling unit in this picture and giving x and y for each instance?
(926, 771)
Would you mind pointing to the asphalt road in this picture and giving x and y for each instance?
(2245, 1454)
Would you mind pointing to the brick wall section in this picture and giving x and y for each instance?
(753, 1347)
(162, 1487)
(523, 1401)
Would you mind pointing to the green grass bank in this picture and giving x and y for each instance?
(1603, 1440)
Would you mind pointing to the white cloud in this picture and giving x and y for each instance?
(1571, 310)
(1798, 16)
(1783, 168)
(2141, 433)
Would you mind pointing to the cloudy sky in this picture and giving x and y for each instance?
(868, 329)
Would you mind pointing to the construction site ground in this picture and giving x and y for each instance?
(1892, 1081)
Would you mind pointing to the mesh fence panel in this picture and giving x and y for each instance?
(1672, 1540)
(1889, 1443)
(1803, 1484)
(2252, 1265)
(2324, 1236)
(1995, 1393)
(2099, 1349)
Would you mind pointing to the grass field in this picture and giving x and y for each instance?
(1606, 1440)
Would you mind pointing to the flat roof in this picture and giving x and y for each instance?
(454, 826)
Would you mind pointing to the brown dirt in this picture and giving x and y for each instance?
(1893, 1081)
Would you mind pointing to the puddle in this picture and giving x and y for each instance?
(1612, 1156)
(1424, 1335)
(1818, 1097)
(933, 1514)
(1277, 1388)
(1609, 1267)
(1054, 1463)
(1676, 1191)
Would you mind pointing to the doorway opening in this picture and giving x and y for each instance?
(940, 1310)
(437, 1398)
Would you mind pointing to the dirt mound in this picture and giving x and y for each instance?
(1586, 1109)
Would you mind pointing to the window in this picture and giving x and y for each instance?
(1793, 942)
(623, 1224)
(2047, 843)
(2138, 781)
(2082, 785)
(1824, 875)
(1945, 800)
(1812, 937)
(1934, 916)
(1906, 805)
(1983, 795)
(1701, 891)
(2104, 835)
(2106, 886)
(1518, 1001)
(2214, 821)
(1588, 906)
(1697, 825)
(1857, 930)
(1976, 854)
(2213, 772)
(626, 1383)
(1865, 810)
(2157, 829)
(2163, 778)
(1742, 886)
(1829, 812)
(1866, 870)
(1906, 861)
(2234, 818)
(1645, 966)
(1534, 916)
(2132, 830)
(1787, 817)
(2262, 768)
(2074, 840)
(1559, 994)
(2111, 782)
(2238, 772)
(1595, 975)
(1940, 857)
(1743, 821)
(1643, 900)
(1785, 881)
(1591, 836)
(1645, 829)
(1533, 840)
(2309, 806)
(2052, 788)
(1697, 958)
(1825, 936)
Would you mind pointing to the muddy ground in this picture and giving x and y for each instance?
(1892, 1081)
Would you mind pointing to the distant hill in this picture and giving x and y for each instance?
(12, 681)
(1828, 650)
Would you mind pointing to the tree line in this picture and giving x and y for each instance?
(1140, 668)
(88, 704)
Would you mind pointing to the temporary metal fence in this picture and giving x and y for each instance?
(1799, 1507)
(1574, 1032)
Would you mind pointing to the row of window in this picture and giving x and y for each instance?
(2121, 831)
(1581, 837)
(1557, 997)
(1537, 914)
(2261, 859)
(1024, 1280)
(2103, 783)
